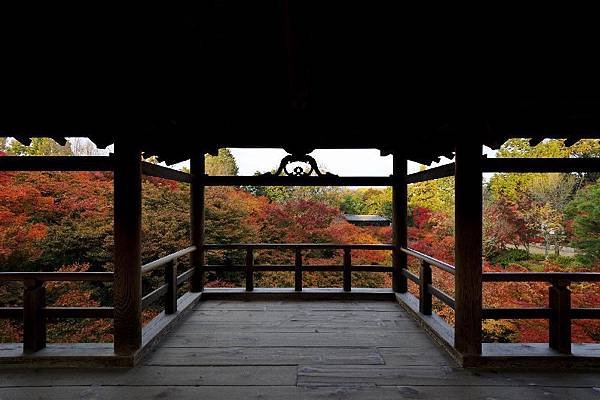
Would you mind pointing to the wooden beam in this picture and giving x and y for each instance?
(516, 313)
(545, 165)
(297, 181)
(197, 168)
(541, 276)
(291, 246)
(11, 312)
(159, 171)
(78, 312)
(56, 163)
(399, 224)
(57, 276)
(151, 266)
(443, 171)
(127, 228)
(468, 248)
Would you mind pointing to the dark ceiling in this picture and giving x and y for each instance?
(306, 74)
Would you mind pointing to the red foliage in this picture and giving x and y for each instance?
(19, 231)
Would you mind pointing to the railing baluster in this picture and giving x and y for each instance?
(249, 269)
(347, 269)
(424, 293)
(298, 270)
(171, 281)
(560, 321)
(34, 321)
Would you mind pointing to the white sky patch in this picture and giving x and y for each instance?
(343, 162)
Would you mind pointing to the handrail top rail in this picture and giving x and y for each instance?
(57, 276)
(358, 246)
(430, 260)
(166, 259)
(541, 276)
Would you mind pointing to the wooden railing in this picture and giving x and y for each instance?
(168, 291)
(298, 267)
(425, 282)
(559, 311)
(35, 313)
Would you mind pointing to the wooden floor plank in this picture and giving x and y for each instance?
(298, 393)
(295, 350)
(308, 339)
(326, 375)
(262, 356)
(295, 306)
(306, 315)
(151, 376)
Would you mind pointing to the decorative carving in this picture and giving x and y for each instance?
(311, 166)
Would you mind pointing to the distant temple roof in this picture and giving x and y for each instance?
(358, 219)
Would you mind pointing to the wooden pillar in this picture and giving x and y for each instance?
(399, 228)
(127, 228)
(197, 169)
(468, 247)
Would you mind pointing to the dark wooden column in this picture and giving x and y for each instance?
(127, 228)
(468, 247)
(197, 169)
(400, 236)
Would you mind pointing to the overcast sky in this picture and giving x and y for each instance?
(346, 162)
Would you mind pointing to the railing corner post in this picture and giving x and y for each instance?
(425, 297)
(560, 321)
(34, 320)
(249, 271)
(298, 270)
(347, 269)
(171, 282)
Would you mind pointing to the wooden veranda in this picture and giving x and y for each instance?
(297, 75)
(463, 341)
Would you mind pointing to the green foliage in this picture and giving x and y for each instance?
(513, 185)
(367, 201)
(585, 211)
(223, 164)
(40, 147)
(436, 195)
(509, 256)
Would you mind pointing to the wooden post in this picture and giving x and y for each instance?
(127, 286)
(34, 322)
(560, 321)
(347, 270)
(249, 270)
(424, 294)
(197, 169)
(399, 228)
(298, 270)
(468, 247)
(171, 282)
